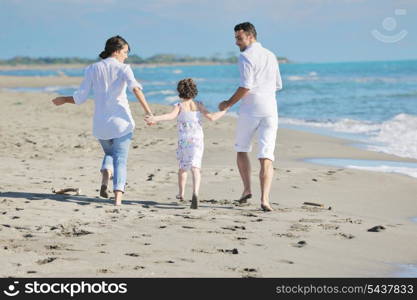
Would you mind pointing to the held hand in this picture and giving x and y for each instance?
(224, 105)
(58, 101)
(150, 120)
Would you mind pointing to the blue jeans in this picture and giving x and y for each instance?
(115, 158)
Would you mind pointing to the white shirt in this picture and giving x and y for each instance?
(259, 72)
(109, 78)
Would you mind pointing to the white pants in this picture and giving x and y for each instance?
(267, 128)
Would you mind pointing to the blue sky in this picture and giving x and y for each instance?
(302, 30)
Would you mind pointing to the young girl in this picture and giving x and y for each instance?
(113, 123)
(190, 135)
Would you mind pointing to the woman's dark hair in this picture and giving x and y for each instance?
(113, 44)
(187, 89)
(246, 27)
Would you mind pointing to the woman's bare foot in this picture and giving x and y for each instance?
(106, 176)
(103, 191)
(118, 198)
(179, 197)
(194, 202)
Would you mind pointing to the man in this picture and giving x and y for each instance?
(259, 81)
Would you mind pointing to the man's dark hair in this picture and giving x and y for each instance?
(246, 27)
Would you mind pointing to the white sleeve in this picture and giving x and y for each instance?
(246, 72)
(130, 79)
(279, 80)
(81, 95)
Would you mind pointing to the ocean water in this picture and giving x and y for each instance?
(373, 103)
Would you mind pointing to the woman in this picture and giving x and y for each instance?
(113, 124)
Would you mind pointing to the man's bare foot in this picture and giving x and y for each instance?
(266, 207)
(194, 202)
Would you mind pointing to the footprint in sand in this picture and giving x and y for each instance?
(312, 209)
(187, 260)
(164, 262)
(287, 235)
(104, 271)
(299, 227)
(229, 251)
(72, 230)
(138, 268)
(46, 260)
(310, 220)
(202, 251)
(257, 220)
(286, 261)
(53, 247)
(300, 244)
(249, 214)
(234, 228)
(347, 220)
(377, 228)
(329, 226)
(250, 270)
(347, 236)
(132, 254)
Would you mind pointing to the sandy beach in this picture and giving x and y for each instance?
(42, 234)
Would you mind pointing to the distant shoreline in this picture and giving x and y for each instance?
(144, 65)
(77, 66)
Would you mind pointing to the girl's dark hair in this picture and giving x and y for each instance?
(187, 89)
(113, 44)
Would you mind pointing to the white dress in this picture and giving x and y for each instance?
(190, 139)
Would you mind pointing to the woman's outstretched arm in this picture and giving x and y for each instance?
(81, 94)
(165, 117)
(142, 100)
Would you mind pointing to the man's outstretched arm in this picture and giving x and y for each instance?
(239, 94)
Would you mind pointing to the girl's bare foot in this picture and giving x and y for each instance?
(244, 199)
(194, 202)
(178, 197)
